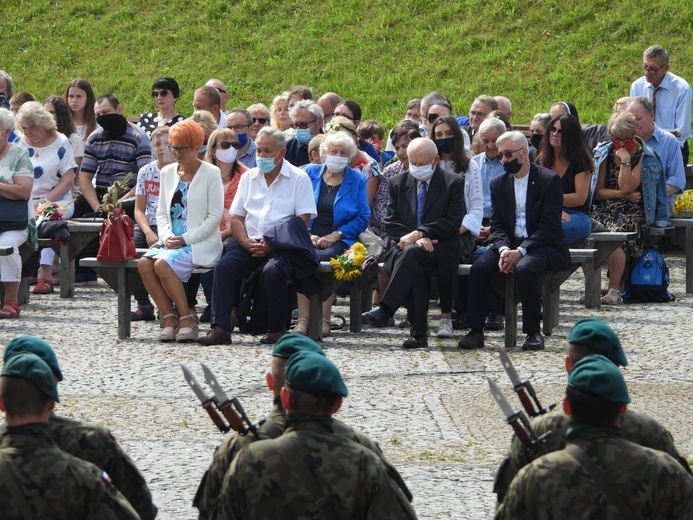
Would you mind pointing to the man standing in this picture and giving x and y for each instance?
(208, 98)
(527, 239)
(670, 96)
(664, 143)
(424, 215)
(268, 196)
(307, 121)
(239, 120)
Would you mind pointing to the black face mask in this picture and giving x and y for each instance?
(536, 139)
(114, 124)
(445, 145)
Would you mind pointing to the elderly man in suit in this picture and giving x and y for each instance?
(527, 239)
(423, 219)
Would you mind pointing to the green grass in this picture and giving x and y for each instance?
(381, 53)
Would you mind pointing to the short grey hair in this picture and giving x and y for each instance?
(434, 98)
(243, 111)
(10, 83)
(276, 134)
(6, 119)
(642, 101)
(33, 113)
(309, 105)
(492, 123)
(339, 139)
(259, 107)
(516, 137)
(657, 51)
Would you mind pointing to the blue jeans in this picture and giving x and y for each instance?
(579, 227)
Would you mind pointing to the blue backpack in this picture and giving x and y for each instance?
(649, 279)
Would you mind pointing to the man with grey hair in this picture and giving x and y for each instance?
(527, 239)
(307, 121)
(6, 89)
(670, 95)
(328, 102)
(223, 92)
(504, 105)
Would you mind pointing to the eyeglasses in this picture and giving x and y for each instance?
(221, 90)
(225, 145)
(261, 120)
(476, 113)
(178, 149)
(432, 118)
(238, 128)
(341, 114)
(160, 93)
(555, 130)
(336, 127)
(302, 126)
(651, 70)
(509, 154)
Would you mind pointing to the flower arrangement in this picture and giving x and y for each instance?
(348, 266)
(48, 210)
(109, 202)
(683, 202)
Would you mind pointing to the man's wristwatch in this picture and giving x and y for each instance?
(422, 234)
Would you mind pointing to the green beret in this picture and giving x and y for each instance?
(32, 368)
(291, 343)
(35, 346)
(598, 336)
(315, 374)
(598, 376)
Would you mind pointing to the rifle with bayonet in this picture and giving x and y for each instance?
(523, 389)
(230, 408)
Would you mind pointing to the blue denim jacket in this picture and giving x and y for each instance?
(654, 183)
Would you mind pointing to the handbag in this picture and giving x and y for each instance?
(374, 244)
(14, 214)
(117, 238)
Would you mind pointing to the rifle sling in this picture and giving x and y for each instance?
(9, 478)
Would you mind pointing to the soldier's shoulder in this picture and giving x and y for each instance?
(354, 434)
(64, 430)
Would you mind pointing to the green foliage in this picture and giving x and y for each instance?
(381, 53)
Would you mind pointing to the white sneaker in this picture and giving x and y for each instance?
(444, 329)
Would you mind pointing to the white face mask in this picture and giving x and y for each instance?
(421, 173)
(335, 163)
(227, 156)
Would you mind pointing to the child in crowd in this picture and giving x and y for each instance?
(373, 132)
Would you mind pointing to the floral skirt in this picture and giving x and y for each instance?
(180, 260)
(620, 215)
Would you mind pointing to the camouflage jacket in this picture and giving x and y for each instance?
(267, 479)
(635, 427)
(97, 445)
(557, 486)
(56, 485)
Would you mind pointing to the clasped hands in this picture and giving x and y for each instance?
(509, 259)
(258, 248)
(326, 241)
(414, 238)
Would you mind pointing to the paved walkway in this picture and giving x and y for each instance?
(430, 409)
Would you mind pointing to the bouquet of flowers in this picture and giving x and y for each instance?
(109, 202)
(48, 210)
(683, 203)
(349, 265)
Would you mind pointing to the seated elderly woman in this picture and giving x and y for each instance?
(340, 197)
(165, 93)
(16, 181)
(630, 194)
(191, 201)
(54, 172)
(261, 117)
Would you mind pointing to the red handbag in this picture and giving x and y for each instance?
(117, 238)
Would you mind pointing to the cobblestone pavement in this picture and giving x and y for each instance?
(429, 409)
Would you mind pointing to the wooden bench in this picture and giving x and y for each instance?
(685, 225)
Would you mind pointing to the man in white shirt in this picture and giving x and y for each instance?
(268, 196)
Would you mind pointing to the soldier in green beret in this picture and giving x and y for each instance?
(37, 478)
(588, 336)
(207, 496)
(311, 471)
(599, 474)
(88, 441)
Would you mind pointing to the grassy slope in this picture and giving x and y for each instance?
(381, 53)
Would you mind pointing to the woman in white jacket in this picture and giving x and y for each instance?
(191, 202)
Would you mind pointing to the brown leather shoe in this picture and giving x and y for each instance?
(216, 336)
(272, 337)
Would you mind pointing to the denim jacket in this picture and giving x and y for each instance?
(654, 184)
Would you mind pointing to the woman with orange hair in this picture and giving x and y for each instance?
(191, 202)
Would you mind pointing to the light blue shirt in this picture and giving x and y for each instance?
(248, 158)
(673, 110)
(667, 146)
(489, 168)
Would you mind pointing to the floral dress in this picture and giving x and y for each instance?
(621, 215)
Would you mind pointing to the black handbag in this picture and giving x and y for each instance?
(14, 214)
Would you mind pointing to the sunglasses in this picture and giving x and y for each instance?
(225, 145)
(432, 118)
(336, 127)
(340, 114)
(509, 154)
(221, 90)
(555, 130)
(261, 120)
(160, 93)
(303, 126)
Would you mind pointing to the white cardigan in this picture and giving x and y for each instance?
(205, 208)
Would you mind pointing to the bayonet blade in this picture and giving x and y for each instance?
(500, 399)
(509, 368)
(194, 384)
(214, 384)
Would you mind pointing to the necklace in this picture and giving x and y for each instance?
(330, 187)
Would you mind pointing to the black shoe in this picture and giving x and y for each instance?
(206, 315)
(534, 341)
(415, 342)
(378, 317)
(494, 322)
(458, 321)
(146, 313)
(85, 278)
(474, 339)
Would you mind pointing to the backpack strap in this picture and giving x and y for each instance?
(8, 476)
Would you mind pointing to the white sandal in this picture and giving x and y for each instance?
(168, 334)
(612, 297)
(187, 334)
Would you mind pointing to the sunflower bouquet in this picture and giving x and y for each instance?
(349, 265)
(683, 203)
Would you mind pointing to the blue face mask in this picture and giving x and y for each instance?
(242, 139)
(266, 164)
(202, 149)
(303, 135)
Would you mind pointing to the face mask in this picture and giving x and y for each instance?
(266, 164)
(421, 173)
(512, 167)
(303, 135)
(114, 124)
(377, 144)
(535, 139)
(202, 149)
(445, 145)
(227, 156)
(335, 163)
(628, 144)
(242, 139)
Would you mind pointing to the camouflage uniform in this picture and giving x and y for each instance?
(265, 481)
(56, 485)
(556, 486)
(207, 496)
(636, 428)
(97, 445)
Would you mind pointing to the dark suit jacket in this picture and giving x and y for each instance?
(544, 206)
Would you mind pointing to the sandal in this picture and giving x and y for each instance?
(301, 327)
(187, 334)
(143, 313)
(10, 310)
(612, 297)
(44, 286)
(168, 334)
(326, 328)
